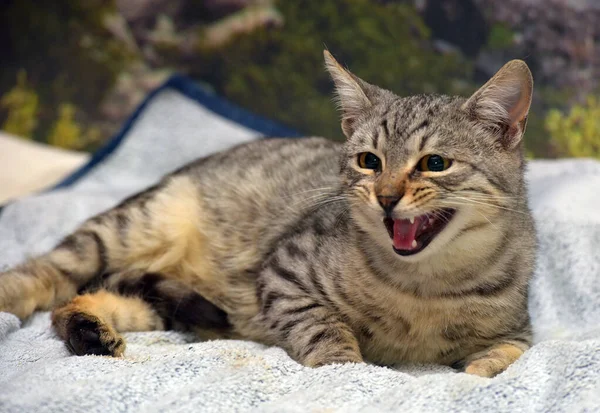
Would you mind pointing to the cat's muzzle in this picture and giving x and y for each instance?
(412, 235)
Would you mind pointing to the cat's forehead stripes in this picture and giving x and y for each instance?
(406, 118)
(404, 128)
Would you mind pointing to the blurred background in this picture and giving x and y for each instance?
(73, 71)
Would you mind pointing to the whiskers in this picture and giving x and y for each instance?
(480, 200)
(439, 215)
(317, 198)
(341, 215)
(493, 203)
(483, 205)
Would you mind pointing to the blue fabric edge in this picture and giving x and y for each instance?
(194, 91)
(210, 101)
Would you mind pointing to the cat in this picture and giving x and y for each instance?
(410, 242)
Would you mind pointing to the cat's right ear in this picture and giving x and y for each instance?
(351, 93)
(503, 102)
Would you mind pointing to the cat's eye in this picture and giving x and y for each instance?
(433, 163)
(368, 160)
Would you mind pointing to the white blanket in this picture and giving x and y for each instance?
(168, 371)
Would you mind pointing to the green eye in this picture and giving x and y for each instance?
(367, 160)
(433, 163)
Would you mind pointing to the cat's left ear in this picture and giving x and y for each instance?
(503, 102)
(354, 95)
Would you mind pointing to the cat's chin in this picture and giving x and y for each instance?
(411, 236)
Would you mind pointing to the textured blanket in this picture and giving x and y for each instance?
(168, 371)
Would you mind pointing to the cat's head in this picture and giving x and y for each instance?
(422, 171)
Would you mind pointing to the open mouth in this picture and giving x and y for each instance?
(411, 236)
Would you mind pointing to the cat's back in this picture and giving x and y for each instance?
(250, 195)
(289, 162)
(272, 177)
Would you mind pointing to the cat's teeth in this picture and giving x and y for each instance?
(414, 243)
(430, 221)
(412, 220)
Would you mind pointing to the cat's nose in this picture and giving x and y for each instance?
(388, 202)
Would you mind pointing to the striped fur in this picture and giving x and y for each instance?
(282, 241)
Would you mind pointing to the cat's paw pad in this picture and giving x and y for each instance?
(88, 335)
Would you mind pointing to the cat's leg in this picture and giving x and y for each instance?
(134, 301)
(51, 279)
(179, 305)
(495, 359)
(156, 229)
(311, 332)
(90, 323)
(96, 248)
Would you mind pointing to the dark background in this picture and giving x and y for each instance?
(72, 71)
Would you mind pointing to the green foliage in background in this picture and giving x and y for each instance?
(65, 133)
(67, 53)
(68, 133)
(537, 140)
(21, 104)
(500, 37)
(576, 133)
(279, 73)
(60, 61)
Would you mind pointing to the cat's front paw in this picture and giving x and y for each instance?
(337, 357)
(87, 334)
(494, 361)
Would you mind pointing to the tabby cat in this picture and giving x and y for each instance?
(410, 242)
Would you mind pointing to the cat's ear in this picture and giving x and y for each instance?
(352, 93)
(503, 102)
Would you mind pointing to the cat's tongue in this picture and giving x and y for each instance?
(405, 233)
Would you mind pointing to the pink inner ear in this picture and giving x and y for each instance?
(519, 110)
(347, 126)
(514, 134)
